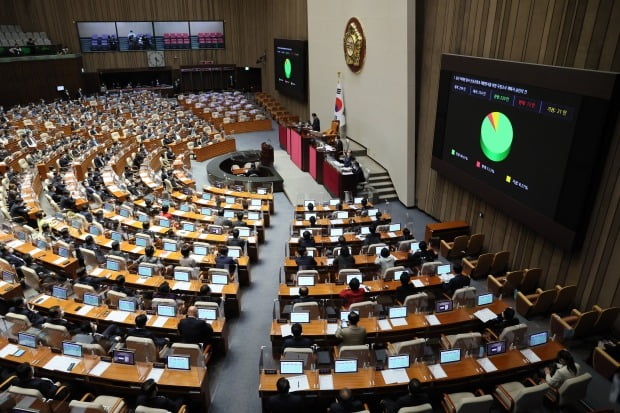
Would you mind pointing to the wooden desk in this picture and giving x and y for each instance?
(464, 375)
(351, 221)
(241, 194)
(361, 262)
(458, 320)
(117, 379)
(446, 230)
(215, 149)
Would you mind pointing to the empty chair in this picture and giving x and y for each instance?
(307, 273)
(359, 352)
(474, 245)
(31, 278)
(506, 284)
(113, 297)
(513, 335)
(531, 280)
(537, 303)
(516, 397)
(464, 341)
(604, 364)
(464, 297)
(606, 319)
(145, 409)
(564, 298)
(93, 349)
(415, 348)
(100, 404)
(571, 391)
(577, 324)
(311, 306)
(500, 263)
(455, 249)
(55, 334)
(365, 308)
(466, 402)
(372, 249)
(393, 273)
(197, 356)
(80, 289)
(430, 268)
(423, 408)
(90, 259)
(478, 268)
(405, 246)
(20, 322)
(416, 302)
(145, 349)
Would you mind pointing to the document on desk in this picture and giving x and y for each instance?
(8, 349)
(398, 322)
(118, 316)
(331, 328)
(136, 250)
(160, 321)
(96, 271)
(84, 310)
(3, 283)
(59, 261)
(326, 382)
(487, 364)
(446, 277)
(294, 239)
(437, 371)
(392, 235)
(60, 363)
(293, 291)
(433, 320)
(418, 283)
(141, 280)
(485, 315)
(299, 223)
(34, 251)
(155, 374)
(333, 239)
(216, 288)
(384, 324)
(41, 299)
(14, 244)
(530, 355)
(182, 285)
(99, 368)
(391, 376)
(285, 330)
(298, 383)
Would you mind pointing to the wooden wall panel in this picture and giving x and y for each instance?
(573, 33)
(249, 29)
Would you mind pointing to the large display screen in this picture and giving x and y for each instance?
(291, 67)
(527, 138)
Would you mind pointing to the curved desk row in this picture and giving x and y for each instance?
(238, 206)
(325, 264)
(240, 194)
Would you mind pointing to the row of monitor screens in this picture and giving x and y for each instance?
(72, 349)
(345, 215)
(332, 202)
(402, 361)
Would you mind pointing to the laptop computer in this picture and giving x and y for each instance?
(291, 366)
(400, 361)
(116, 236)
(244, 232)
(352, 276)
(112, 265)
(305, 280)
(234, 252)
(394, 227)
(123, 357)
(442, 306)
(208, 314)
(59, 292)
(8, 277)
(178, 362)
(342, 215)
(397, 312)
(189, 227)
(538, 339)
(27, 340)
(345, 366)
(253, 216)
(450, 356)
(145, 270)
(166, 310)
(496, 347)
(336, 232)
(300, 317)
(170, 246)
(127, 305)
(220, 279)
(181, 275)
(444, 269)
(484, 299)
(71, 349)
(91, 299)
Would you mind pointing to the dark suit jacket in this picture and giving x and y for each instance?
(405, 401)
(236, 242)
(459, 281)
(404, 290)
(194, 331)
(143, 332)
(350, 407)
(159, 402)
(305, 261)
(372, 239)
(225, 262)
(297, 342)
(46, 387)
(285, 403)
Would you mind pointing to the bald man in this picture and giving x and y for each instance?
(346, 403)
(193, 330)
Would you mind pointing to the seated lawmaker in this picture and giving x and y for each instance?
(148, 397)
(303, 260)
(192, 330)
(25, 378)
(297, 340)
(460, 280)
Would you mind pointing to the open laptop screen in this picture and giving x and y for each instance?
(352, 276)
(450, 356)
(441, 306)
(300, 317)
(71, 349)
(244, 231)
(178, 362)
(537, 339)
(181, 275)
(127, 305)
(145, 271)
(207, 313)
(234, 252)
(91, 299)
(444, 269)
(345, 366)
(165, 310)
(398, 312)
(221, 279)
(170, 246)
(336, 232)
(123, 357)
(59, 292)
(27, 340)
(400, 361)
(496, 347)
(484, 299)
(395, 227)
(305, 280)
(188, 226)
(291, 366)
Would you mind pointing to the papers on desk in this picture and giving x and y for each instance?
(299, 383)
(8, 349)
(160, 321)
(433, 320)
(299, 223)
(337, 222)
(446, 277)
(294, 239)
(118, 316)
(14, 244)
(136, 250)
(141, 280)
(417, 283)
(392, 234)
(84, 310)
(216, 288)
(41, 299)
(332, 328)
(485, 315)
(3, 283)
(333, 239)
(96, 271)
(285, 330)
(487, 364)
(155, 374)
(330, 261)
(182, 285)
(60, 261)
(437, 371)
(384, 324)
(530, 355)
(34, 251)
(60, 363)
(293, 291)
(395, 376)
(398, 322)
(326, 382)
(99, 368)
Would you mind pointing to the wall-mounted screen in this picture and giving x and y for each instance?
(291, 67)
(97, 36)
(529, 139)
(135, 36)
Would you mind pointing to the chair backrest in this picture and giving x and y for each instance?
(430, 268)
(564, 298)
(311, 306)
(574, 389)
(500, 263)
(474, 404)
(415, 347)
(466, 341)
(144, 348)
(145, 409)
(165, 301)
(529, 397)
(95, 349)
(389, 274)
(210, 305)
(423, 408)
(514, 334)
(606, 319)
(20, 321)
(365, 308)
(372, 249)
(216, 271)
(543, 302)
(359, 352)
(80, 289)
(342, 274)
(55, 334)
(113, 297)
(194, 352)
(483, 265)
(464, 297)
(25, 392)
(458, 247)
(405, 245)
(474, 245)
(307, 273)
(531, 280)
(585, 323)
(31, 278)
(416, 302)
(513, 281)
(90, 259)
(78, 406)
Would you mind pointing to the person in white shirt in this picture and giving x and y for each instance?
(566, 368)
(385, 260)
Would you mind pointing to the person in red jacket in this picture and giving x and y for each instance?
(353, 294)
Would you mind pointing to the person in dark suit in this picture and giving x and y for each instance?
(358, 172)
(235, 241)
(372, 238)
(459, 281)
(150, 398)
(284, 402)
(415, 397)
(239, 222)
(316, 123)
(296, 340)
(505, 319)
(224, 261)
(120, 287)
(422, 255)
(303, 296)
(346, 403)
(405, 288)
(303, 260)
(54, 316)
(25, 378)
(307, 240)
(194, 331)
(344, 260)
(140, 330)
(339, 147)
(18, 307)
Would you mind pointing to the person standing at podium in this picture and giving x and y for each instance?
(316, 123)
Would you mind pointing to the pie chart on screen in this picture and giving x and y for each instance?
(496, 136)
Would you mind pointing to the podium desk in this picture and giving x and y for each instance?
(336, 182)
